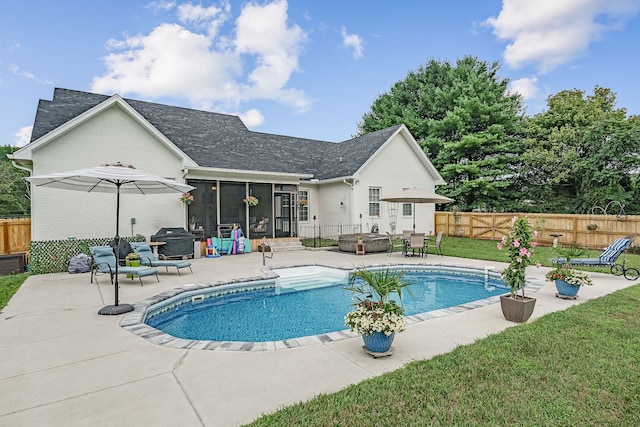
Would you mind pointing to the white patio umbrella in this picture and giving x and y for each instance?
(416, 195)
(111, 178)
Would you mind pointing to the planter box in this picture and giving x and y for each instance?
(11, 264)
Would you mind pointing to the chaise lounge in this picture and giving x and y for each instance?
(104, 261)
(607, 258)
(148, 259)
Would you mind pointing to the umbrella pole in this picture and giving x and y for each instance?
(414, 215)
(117, 308)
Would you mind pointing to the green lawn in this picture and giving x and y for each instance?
(9, 285)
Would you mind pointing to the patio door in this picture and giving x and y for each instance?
(285, 214)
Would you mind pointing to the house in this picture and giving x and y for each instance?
(340, 183)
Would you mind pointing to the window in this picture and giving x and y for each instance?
(407, 207)
(303, 205)
(374, 201)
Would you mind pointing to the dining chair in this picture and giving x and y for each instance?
(436, 244)
(402, 246)
(416, 243)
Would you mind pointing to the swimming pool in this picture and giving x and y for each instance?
(296, 304)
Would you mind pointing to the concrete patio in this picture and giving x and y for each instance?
(63, 364)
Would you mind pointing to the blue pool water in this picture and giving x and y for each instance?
(267, 313)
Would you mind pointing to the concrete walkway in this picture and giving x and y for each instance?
(63, 364)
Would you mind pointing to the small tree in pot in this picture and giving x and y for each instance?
(519, 244)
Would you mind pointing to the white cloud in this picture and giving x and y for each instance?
(527, 87)
(171, 61)
(352, 41)
(210, 18)
(23, 136)
(262, 31)
(550, 33)
(161, 5)
(18, 72)
(252, 118)
(193, 61)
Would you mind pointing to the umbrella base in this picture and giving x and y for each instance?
(116, 309)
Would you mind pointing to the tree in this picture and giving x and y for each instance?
(582, 152)
(14, 191)
(465, 121)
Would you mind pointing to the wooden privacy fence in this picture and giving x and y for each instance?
(15, 235)
(587, 231)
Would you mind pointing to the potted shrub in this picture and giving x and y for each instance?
(519, 244)
(376, 316)
(132, 260)
(568, 280)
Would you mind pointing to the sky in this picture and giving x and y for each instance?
(308, 69)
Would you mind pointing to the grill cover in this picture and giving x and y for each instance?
(179, 242)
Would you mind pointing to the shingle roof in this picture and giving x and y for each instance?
(223, 141)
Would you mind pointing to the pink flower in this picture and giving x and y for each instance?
(519, 259)
(535, 233)
(538, 265)
(504, 240)
(513, 220)
(534, 244)
(499, 247)
(516, 243)
(524, 251)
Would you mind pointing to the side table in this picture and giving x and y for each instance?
(360, 248)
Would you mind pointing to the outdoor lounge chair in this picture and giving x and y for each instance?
(104, 261)
(147, 258)
(607, 258)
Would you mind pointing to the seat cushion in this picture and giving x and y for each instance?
(138, 271)
(106, 251)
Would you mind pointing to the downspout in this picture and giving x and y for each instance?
(351, 198)
(185, 211)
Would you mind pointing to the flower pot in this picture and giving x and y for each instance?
(131, 263)
(517, 309)
(566, 289)
(379, 342)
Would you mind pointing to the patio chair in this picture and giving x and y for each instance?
(607, 258)
(393, 245)
(147, 258)
(416, 243)
(104, 261)
(436, 244)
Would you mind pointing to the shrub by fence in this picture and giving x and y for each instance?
(53, 256)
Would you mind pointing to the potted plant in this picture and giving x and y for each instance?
(186, 198)
(132, 260)
(568, 280)
(519, 244)
(376, 316)
(251, 201)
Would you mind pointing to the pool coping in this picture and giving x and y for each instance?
(134, 320)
